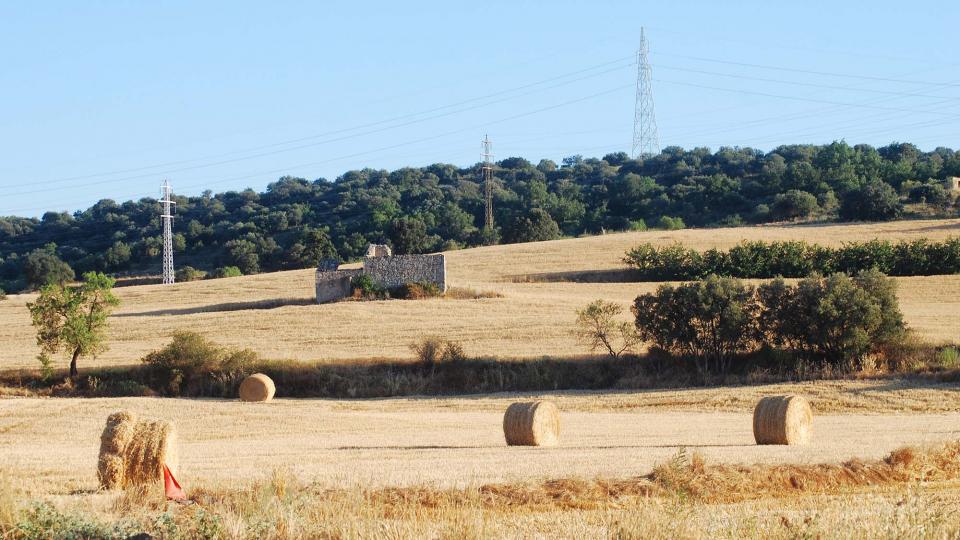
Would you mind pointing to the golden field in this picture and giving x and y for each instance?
(438, 467)
(274, 315)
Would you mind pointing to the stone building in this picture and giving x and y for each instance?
(385, 269)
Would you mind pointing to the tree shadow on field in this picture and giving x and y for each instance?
(271, 303)
(609, 275)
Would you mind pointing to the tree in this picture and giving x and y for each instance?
(43, 267)
(874, 201)
(534, 226)
(73, 319)
(409, 235)
(794, 204)
(599, 326)
(709, 321)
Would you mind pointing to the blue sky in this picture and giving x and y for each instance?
(106, 99)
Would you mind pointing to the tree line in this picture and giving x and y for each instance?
(296, 223)
(793, 259)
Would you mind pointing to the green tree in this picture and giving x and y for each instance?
(73, 319)
(43, 267)
(599, 325)
(874, 201)
(409, 235)
(794, 204)
(534, 226)
(709, 321)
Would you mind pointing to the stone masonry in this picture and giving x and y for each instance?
(386, 270)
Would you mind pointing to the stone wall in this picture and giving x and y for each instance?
(333, 285)
(390, 272)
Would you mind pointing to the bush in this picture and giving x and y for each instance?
(416, 291)
(670, 223)
(599, 326)
(365, 289)
(874, 201)
(193, 365)
(225, 272)
(433, 350)
(709, 321)
(795, 259)
(833, 321)
(189, 273)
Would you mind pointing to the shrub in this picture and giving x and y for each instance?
(225, 272)
(599, 326)
(193, 365)
(434, 350)
(873, 201)
(416, 291)
(949, 357)
(3, 295)
(364, 288)
(795, 259)
(710, 321)
(794, 204)
(189, 273)
(670, 223)
(835, 320)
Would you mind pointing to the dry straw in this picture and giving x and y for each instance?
(133, 451)
(783, 420)
(532, 423)
(257, 387)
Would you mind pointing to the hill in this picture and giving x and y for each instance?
(295, 223)
(541, 283)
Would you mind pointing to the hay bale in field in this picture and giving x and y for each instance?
(134, 451)
(257, 387)
(532, 423)
(783, 420)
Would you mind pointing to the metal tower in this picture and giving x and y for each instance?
(646, 140)
(488, 182)
(167, 218)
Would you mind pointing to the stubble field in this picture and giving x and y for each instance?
(274, 314)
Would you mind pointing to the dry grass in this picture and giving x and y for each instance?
(51, 444)
(529, 320)
(913, 492)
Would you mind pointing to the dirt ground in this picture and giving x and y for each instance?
(49, 446)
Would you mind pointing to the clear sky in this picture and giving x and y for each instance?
(106, 99)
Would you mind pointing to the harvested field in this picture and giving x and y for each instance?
(441, 442)
(274, 314)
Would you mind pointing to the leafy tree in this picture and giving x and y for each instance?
(534, 226)
(243, 254)
(794, 204)
(225, 272)
(874, 201)
(709, 321)
(409, 235)
(599, 325)
(43, 267)
(73, 319)
(188, 273)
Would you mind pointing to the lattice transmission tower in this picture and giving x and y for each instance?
(488, 181)
(166, 216)
(646, 139)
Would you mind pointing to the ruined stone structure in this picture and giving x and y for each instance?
(398, 270)
(385, 269)
(379, 250)
(952, 183)
(333, 285)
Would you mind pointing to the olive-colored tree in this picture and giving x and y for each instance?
(73, 318)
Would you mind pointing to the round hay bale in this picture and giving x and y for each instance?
(118, 432)
(783, 420)
(532, 423)
(257, 387)
(133, 452)
(110, 471)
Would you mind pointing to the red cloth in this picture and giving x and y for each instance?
(172, 487)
